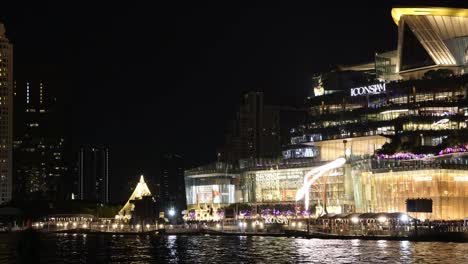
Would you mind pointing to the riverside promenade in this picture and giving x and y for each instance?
(449, 233)
(371, 226)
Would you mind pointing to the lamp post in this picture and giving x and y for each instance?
(344, 148)
(171, 213)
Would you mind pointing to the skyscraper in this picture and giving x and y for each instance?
(40, 169)
(259, 130)
(172, 185)
(6, 116)
(93, 174)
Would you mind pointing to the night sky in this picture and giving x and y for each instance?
(151, 79)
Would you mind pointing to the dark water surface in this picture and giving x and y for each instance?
(78, 248)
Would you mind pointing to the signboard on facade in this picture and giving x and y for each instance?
(378, 88)
(276, 220)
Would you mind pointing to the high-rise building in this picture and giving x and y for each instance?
(93, 174)
(247, 133)
(6, 116)
(259, 131)
(40, 169)
(172, 186)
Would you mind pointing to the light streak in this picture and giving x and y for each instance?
(316, 173)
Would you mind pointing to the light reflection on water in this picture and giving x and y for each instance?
(205, 249)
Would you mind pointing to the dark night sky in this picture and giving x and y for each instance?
(153, 79)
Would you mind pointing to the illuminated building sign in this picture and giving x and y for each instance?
(370, 89)
(276, 220)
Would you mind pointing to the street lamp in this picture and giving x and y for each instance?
(171, 212)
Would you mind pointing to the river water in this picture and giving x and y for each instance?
(79, 248)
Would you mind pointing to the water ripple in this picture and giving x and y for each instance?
(68, 248)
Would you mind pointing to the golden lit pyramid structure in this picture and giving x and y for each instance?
(140, 191)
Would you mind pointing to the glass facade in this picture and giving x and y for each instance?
(355, 147)
(384, 186)
(273, 185)
(448, 190)
(309, 152)
(279, 186)
(362, 185)
(208, 194)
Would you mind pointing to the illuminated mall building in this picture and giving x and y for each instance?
(211, 187)
(400, 122)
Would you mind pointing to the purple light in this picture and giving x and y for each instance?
(455, 149)
(403, 156)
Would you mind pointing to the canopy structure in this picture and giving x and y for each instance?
(140, 190)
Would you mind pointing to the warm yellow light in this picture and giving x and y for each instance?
(140, 190)
(394, 111)
(147, 226)
(424, 11)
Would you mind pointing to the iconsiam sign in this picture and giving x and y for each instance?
(273, 219)
(313, 176)
(370, 89)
